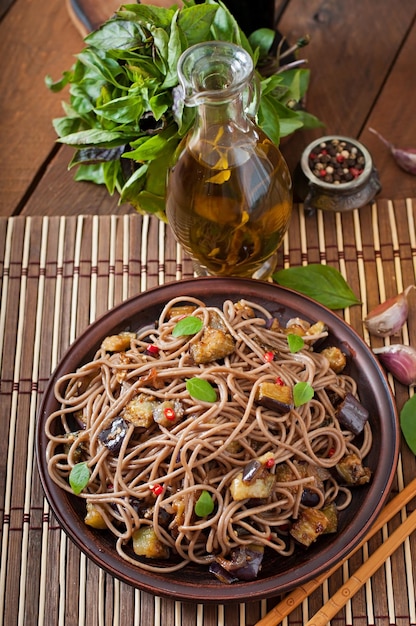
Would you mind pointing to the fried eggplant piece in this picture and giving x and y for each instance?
(256, 480)
(309, 526)
(351, 414)
(352, 471)
(93, 517)
(118, 343)
(181, 310)
(275, 397)
(310, 497)
(331, 512)
(146, 543)
(245, 563)
(337, 359)
(139, 411)
(215, 344)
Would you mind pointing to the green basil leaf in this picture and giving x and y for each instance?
(115, 35)
(159, 104)
(204, 505)
(157, 172)
(295, 342)
(296, 81)
(322, 283)
(56, 86)
(262, 39)
(302, 393)
(92, 156)
(96, 137)
(152, 147)
(269, 118)
(149, 203)
(308, 120)
(79, 477)
(195, 22)
(288, 118)
(173, 54)
(91, 173)
(111, 172)
(122, 110)
(66, 125)
(107, 67)
(147, 14)
(408, 422)
(201, 389)
(187, 326)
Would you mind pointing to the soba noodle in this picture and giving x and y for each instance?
(161, 467)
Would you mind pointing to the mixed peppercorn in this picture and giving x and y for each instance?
(336, 161)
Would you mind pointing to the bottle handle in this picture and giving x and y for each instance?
(252, 96)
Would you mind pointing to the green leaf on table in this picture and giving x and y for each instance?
(408, 422)
(204, 505)
(295, 342)
(79, 477)
(302, 393)
(187, 326)
(322, 283)
(201, 389)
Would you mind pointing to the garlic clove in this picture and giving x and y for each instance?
(400, 361)
(387, 318)
(404, 157)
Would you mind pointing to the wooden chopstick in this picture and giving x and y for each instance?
(298, 595)
(363, 573)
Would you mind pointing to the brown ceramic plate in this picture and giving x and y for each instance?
(279, 574)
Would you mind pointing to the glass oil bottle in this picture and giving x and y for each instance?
(229, 193)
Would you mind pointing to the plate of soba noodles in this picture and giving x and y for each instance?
(217, 440)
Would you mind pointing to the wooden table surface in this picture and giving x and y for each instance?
(68, 252)
(361, 58)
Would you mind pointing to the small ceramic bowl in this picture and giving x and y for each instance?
(352, 180)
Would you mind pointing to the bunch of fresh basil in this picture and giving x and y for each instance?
(124, 118)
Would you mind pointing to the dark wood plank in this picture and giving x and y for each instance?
(35, 39)
(4, 6)
(352, 54)
(394, 116)
(58, 194)
(88, 15)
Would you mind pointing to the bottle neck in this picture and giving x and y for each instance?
(222, 133)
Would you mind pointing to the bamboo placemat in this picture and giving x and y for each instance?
(58, 274)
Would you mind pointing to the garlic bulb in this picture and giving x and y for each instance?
(387, 318)
(400, 361)
(404, 157)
